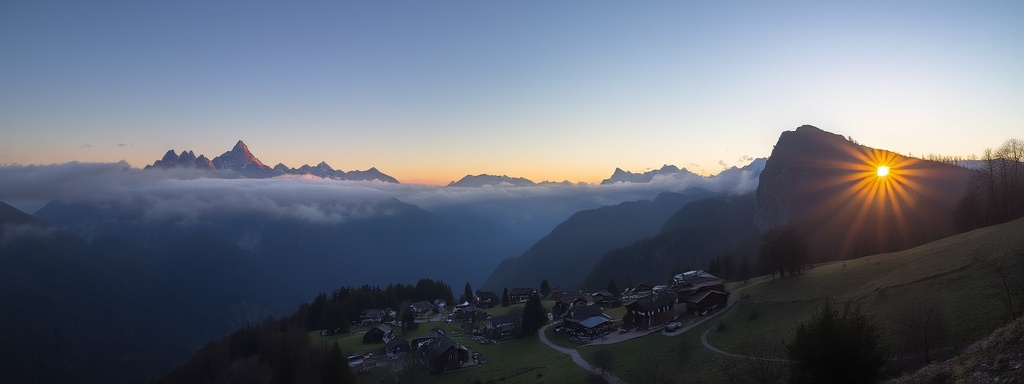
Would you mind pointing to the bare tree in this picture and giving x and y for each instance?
(924, 328)
(1008, 280)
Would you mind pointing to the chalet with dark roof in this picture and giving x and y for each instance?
(421, 308)
(469, 314)
(706, 301)
(688, 283)
(606, 299)
(379, 334)
(520, 295)
(651, 310)
(485, 299)
(443, 354)
(567, 301)
(587, 321)
(370, 316)
(505, 327)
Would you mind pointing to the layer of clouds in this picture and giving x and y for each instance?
(12, 232)
(190, 195)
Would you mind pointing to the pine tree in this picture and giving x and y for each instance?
(468, 293)
(534, 315)
(335, 368)
(504, 298)
(545, 288)
(408, 320)
(613, 288)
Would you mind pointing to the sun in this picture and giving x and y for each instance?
(883, 171)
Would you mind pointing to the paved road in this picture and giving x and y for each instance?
(576, 358)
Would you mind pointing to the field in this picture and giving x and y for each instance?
(887, 286)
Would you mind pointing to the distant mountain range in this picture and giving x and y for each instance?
(239, 159)
(483, 180)
(621, 176)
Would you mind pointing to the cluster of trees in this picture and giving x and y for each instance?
(782, 250)
(275, 351)
(731, 268)
(335, 311)
(995, 192)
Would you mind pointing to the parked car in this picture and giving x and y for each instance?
(674, 326)
(355, 360)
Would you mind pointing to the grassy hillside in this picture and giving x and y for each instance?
(946, 272)
(886, 285)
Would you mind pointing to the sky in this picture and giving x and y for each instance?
(430, 91)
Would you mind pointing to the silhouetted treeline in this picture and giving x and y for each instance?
(276, 351)
(782, 251)
(995, 192)
(335, 311)
(279, 350)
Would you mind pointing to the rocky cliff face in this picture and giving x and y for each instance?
(827, 187)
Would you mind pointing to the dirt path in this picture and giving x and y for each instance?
(576, 358)
(729, 308)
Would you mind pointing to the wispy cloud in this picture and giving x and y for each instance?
(86, 146)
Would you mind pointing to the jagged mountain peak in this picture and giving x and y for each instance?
(240, 159)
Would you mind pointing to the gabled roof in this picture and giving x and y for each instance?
(383, 328)
(422, 305)
(484, 295)
(696, 278)
(439, 346)
(570, 297)
(700, 296)
(654, 301)
(583, 312)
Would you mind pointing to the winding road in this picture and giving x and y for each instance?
(576, 358)
(580, 361)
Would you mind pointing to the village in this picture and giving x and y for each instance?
(450, 337)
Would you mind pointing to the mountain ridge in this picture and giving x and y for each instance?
(241, 160)
(826, 187)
